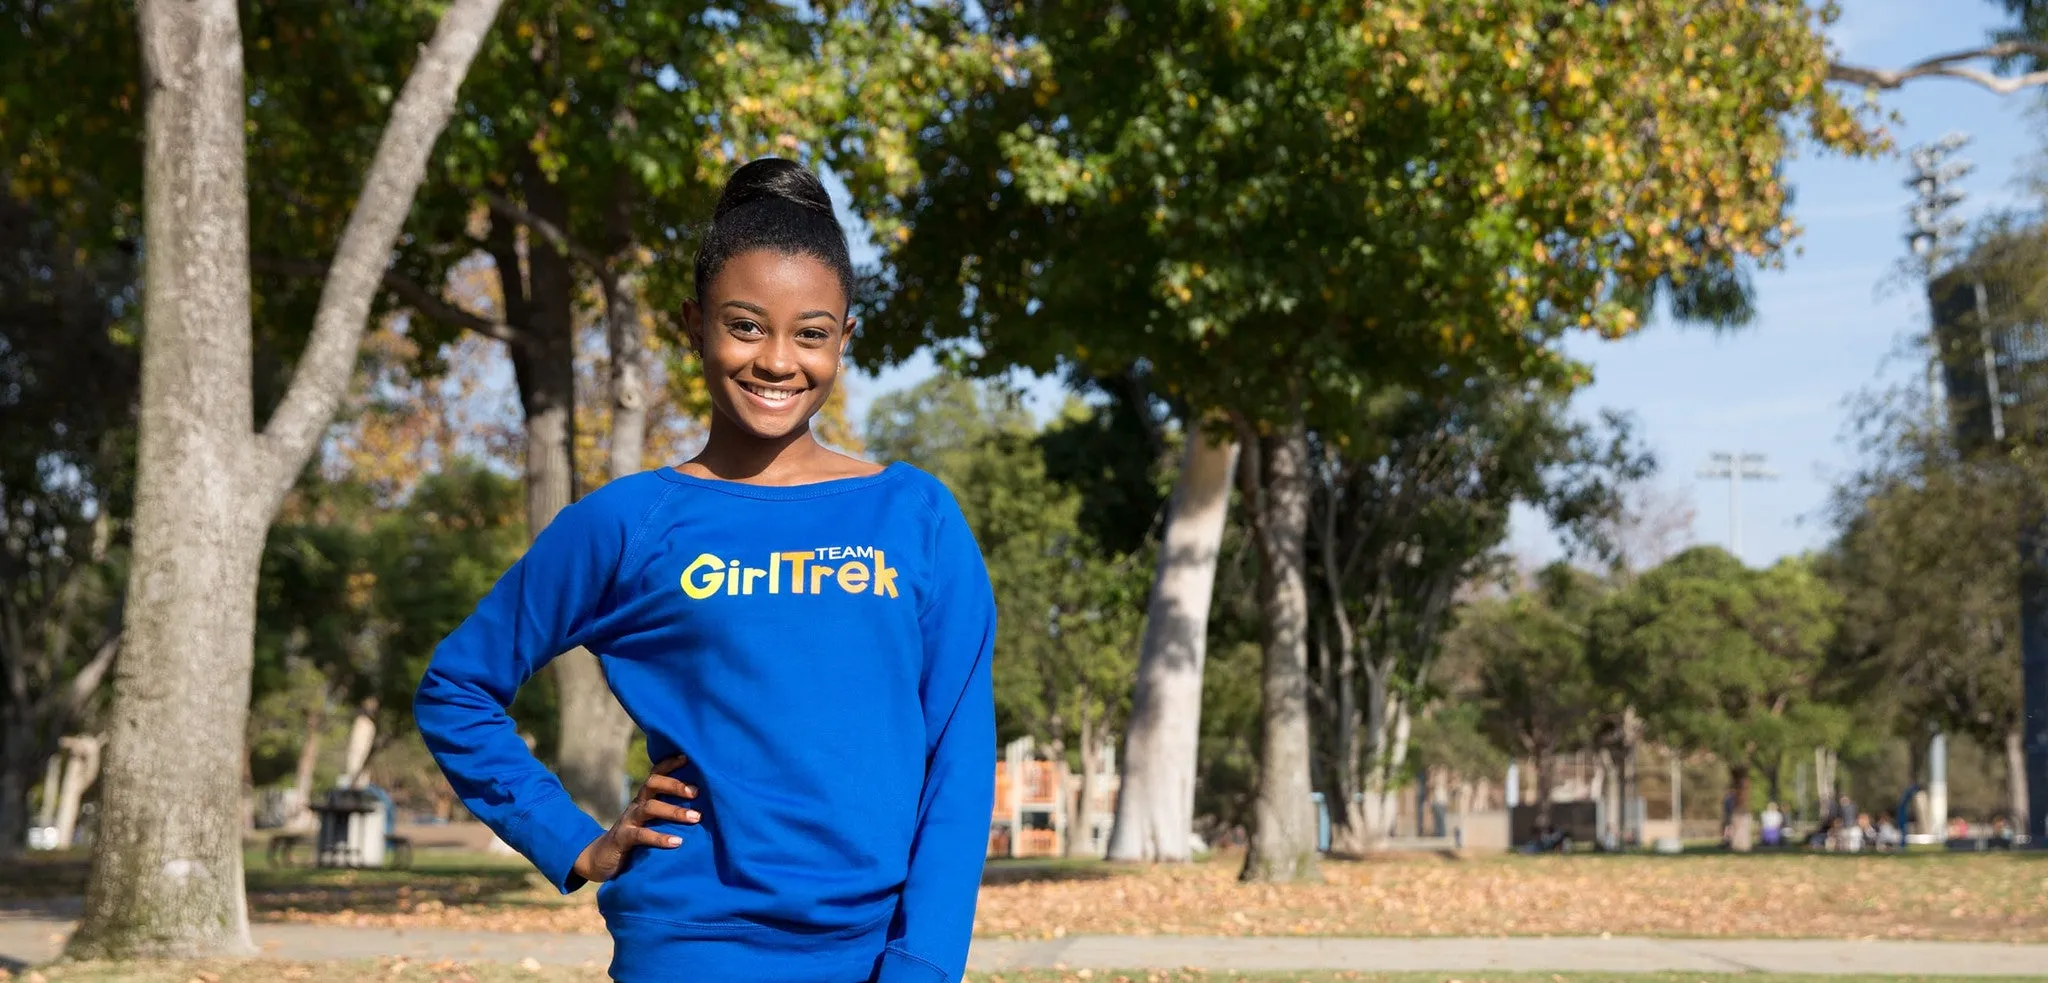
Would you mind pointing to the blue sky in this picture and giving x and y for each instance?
(1833, 323)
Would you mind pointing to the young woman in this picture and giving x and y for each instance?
(803, 637)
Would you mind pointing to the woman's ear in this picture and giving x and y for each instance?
(693, 327)
(846, 336)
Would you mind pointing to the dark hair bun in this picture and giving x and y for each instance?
(775, 204)
(772, 179)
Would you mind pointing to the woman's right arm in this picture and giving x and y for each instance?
(552, 600)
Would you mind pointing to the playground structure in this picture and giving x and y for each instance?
(1039, 800)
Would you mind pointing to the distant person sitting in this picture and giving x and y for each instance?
(1774, 825)
(1888, 836)
(1958, 828)
(2001, 834)
(1851, 834)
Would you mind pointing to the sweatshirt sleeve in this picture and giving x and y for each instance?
(549, 602)
(929, 937)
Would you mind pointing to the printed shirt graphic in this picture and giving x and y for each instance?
(820, 652)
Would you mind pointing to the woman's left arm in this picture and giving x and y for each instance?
(935, 921)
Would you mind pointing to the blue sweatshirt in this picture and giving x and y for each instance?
(821, 654)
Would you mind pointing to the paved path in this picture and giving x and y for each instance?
(32, 937)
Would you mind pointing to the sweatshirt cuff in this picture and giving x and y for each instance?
(899, 966)
(553, 834)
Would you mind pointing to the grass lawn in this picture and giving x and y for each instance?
(454, 972)
(1977, 897)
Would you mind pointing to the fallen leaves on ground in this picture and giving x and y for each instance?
(1987, 898)
(225, 971)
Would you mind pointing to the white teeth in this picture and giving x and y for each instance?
(771, 395)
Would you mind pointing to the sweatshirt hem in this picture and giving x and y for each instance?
(651, 948)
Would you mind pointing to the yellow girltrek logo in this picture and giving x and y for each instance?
(808, 572)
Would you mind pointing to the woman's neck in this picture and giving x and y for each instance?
(732, 454)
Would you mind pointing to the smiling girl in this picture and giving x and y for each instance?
(804, 638)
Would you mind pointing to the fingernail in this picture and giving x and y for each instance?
(695, 815)
(675, 841)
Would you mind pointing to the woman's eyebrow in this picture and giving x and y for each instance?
(756, 309)
(807, 315)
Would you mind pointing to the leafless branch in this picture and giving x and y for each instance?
(553, 233)
(415, 295)
(1951, 66)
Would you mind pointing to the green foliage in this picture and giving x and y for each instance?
(1530, 651)
(1271, 206)
(1072, 611)
(1721, 658)
(360, 595)
(1927, 562)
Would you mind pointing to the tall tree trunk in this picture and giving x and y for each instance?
(1080, 838)
(1739, 838)
(1155, 804)
(1382, 774)
(1354, 741)
(81, 770)
(309, 759)
(627, 346)
(1546, 784)
(166, 874)
(1283, 844)
(20, 759)
(592, 731)
(2016, 779)
(362, 737)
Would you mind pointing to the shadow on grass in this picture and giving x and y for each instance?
(53, 883)
(1046, 871)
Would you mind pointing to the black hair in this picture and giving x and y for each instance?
(778, 204)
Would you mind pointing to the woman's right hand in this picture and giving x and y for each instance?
(601, 860)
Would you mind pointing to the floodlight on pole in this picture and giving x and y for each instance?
(1735, 466)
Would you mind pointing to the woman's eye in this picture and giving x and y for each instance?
(745, 327)
(815, 334)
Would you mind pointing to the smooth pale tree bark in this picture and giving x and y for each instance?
(31, 715)
(1155, 805)
(302, 776)
(2016, 778)
(362, 739)
(1740, 831)
(81, 770)
(1080, 838)
(1283, 842)
(166, 874)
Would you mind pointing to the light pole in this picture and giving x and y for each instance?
(1736, 466)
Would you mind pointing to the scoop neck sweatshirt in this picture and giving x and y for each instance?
(820, 653)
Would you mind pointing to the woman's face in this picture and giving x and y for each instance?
(771, 330)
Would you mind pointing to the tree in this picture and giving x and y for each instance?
(1409, 506)
(67, 388)
(596, 137)
(1276, 211)
(1072, 606)
(1724, 659)
(1925, 562)
(166, 876)
(1539, 697)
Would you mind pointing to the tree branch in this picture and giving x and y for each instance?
(415, 295)
(1949, 66)
(88, 680)
(417, 119)
(599, 266)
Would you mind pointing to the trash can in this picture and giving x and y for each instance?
(351, 829)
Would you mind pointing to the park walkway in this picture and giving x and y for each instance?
(28, 937)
